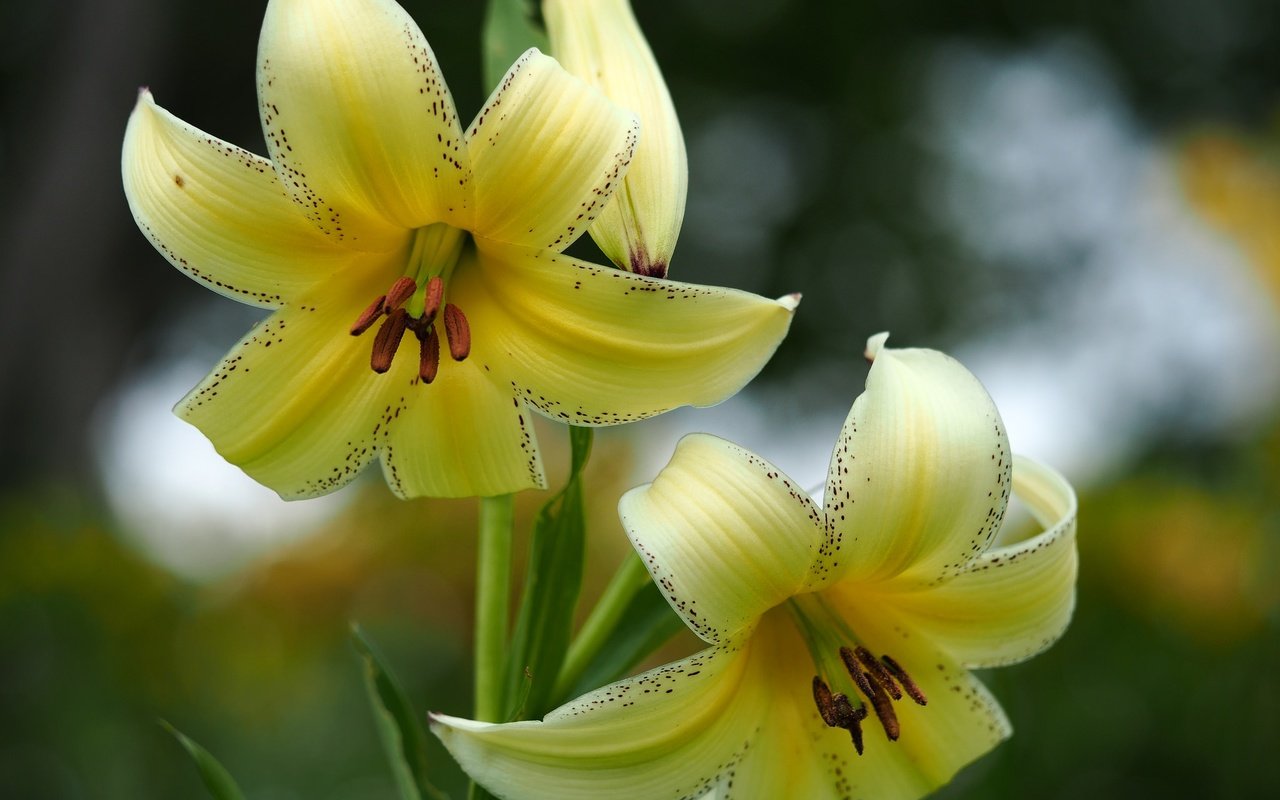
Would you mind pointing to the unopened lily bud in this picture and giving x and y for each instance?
(600, 42)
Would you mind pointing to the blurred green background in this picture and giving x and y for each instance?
(1080, 199)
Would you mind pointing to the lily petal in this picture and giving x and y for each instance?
(597, 346)
(218, 213)
(463, 435)
(358, 119)
(295, 404)
(600, 42)
(920, 474)
(1012, 602)
(674, 731)
(725, 533)
(548, 151)
(961, 722)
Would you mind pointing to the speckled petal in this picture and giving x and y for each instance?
(1012, 602)
(548, 151)
(464, 435)
(218, 213)
(295, 404)
(920, 474)
(600, 42)
(597, 346)
(725, 534)
(672, 732)
(359, 122)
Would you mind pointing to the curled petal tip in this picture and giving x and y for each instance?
(790, 301)
(874, 345)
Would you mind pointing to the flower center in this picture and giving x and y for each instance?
(414, 301)
(847, 669)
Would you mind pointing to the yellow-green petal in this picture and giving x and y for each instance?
(359, 122)
(726, 535)
(600, 42)
(218, 213)
(295, 404)
(461, 436)
(1011, 602)
(547, 152)
(919, 477)
(961, 722)
(597, 346)
(672, 732)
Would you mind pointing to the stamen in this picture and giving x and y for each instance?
(368, 317)
(826, 707)
(884, 710)
(855, 671)
(400, 291)
(879, 673)
(908, 685)
(429, 355)
(457, 331)
(388, 340)
(431, 300)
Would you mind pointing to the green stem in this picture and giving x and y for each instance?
(630, 578)
(493, 588)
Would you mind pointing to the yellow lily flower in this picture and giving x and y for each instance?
(377, 210)
(872, 608)
(601, 42)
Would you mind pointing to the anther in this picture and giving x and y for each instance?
(855, 671)
(884, 711)
(908, 685)
(429, 355)
(431, 299)
(368, 317)
(879, 673)
(837, 712)
(388, 340)
(457, 331)
(400, 291)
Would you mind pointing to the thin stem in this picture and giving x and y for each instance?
(493, 587)
(630, 578)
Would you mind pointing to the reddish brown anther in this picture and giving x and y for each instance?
(387, 341)
(457, 331)
(368, 317)
(884, 711)
(908, 685)
(400, 291)
(837, 712)
(855, 671)
(826, 706)
(878, 672)
(431, 299)
(429, 355)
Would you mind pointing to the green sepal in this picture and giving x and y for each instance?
(216, 779)
(647, 623)
(553, 580)
(402, 735)
(510, 28)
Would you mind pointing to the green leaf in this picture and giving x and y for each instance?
(647, 623)
(552, 582)
(215, 776)
(510, 28)
(403, 739)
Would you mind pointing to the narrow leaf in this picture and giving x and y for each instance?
(403, 739)
(647, 624)
(216, 779)
(510, 28)
(552, 583)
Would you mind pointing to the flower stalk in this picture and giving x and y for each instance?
(493, 590)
